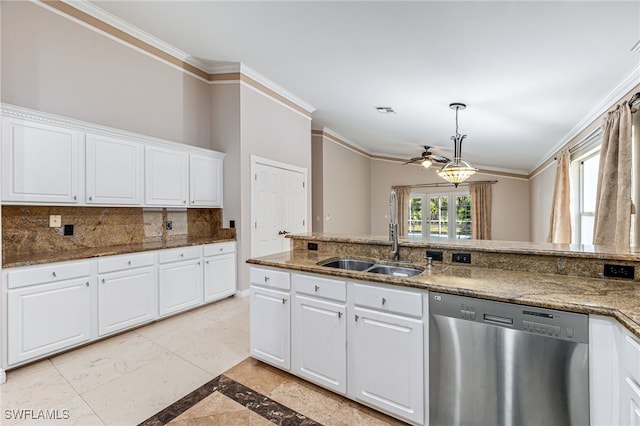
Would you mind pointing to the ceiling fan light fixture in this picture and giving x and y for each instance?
(458, 170)
(426, 163)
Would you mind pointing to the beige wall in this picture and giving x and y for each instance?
(52, 64)
(541, 194)
(510, 205)
(317, 184)
(346, 198)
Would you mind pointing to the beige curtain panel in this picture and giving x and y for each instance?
(480, 210)
(403, 193)
(612, 217)
(560, 221)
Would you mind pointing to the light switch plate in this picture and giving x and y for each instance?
(55, 221)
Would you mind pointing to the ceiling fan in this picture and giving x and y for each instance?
(426, 158)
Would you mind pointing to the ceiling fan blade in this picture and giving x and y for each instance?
(439, 159)
(413, 160)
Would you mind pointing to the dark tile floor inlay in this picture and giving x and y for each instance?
(254, 401)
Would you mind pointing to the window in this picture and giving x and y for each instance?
(430, 215)
(587, 186)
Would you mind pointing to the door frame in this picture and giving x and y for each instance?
(261, 161)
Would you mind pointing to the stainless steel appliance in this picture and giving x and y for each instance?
(494, 363)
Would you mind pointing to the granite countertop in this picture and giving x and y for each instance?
(619, 299)
(86, 253)
(493, 246)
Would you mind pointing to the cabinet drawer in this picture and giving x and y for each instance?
(270, 278)
(220, 248)
(321, 287)
(388, 300)
(176, 255)
(46, 274)
(127, 261)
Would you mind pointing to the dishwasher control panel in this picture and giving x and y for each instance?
(551, 323)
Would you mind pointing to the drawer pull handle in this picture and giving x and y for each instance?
(284, 300)
(384, 300)
(129, 263)
(266, 279)
(54, 273)
(181, 254)
(104, 281)
(317, 288)
(339, 314)
(357, 318)
(87, 284)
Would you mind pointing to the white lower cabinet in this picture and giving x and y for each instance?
(126, 298)
(270, 317)
(180, 286)
(319, 331)
(386, 351)
(46, 318)
(219, 271)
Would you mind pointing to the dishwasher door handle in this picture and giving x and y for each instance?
(498, 320)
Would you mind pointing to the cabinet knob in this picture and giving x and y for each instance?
(198, 262)
(87, 284)
(54, 273)
(75, 197)
(207, 262)
(221, 249)
(181, 254)
(90, 198)
(266, 279)
(193, 201)
(357, 318)
(339, 314)
(384, 300)
(284, 300)
(129, 263)
(184, 201)
(317, 288)
(104, 281)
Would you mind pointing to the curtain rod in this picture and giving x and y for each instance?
(437, 185)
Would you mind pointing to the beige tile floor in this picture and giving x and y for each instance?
(127, 378)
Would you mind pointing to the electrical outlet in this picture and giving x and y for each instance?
(434, 255)
(461, 258)
(68, 230)
(312, 246)
(169, 225)
(619, 271)
(55, 221)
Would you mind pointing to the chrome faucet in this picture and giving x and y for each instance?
(393, 226)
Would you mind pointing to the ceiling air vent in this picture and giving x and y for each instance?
(385, 110)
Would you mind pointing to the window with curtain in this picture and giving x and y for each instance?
(585, 203)
(440, 215)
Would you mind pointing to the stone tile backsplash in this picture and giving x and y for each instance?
(25, 229)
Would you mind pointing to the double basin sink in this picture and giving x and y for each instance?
(367, 266)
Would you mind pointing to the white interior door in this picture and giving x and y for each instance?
(278, 205)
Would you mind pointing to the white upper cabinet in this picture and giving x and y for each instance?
(114, 171)
(166, 176)
(40, 162)
(205, 180)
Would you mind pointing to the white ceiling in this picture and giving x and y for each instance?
(528, 71)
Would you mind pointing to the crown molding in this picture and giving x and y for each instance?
(209, 69)
(630, 81)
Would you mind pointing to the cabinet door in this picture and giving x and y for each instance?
(319, 342)
(126, 299)
(205, 181)
(114, 171)
(270, 327)
(180, 286)
(219, 276)
(166, 176)
(40, 162)
(387, 363)
(46, 318)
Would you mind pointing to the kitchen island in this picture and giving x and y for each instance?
(563, 278)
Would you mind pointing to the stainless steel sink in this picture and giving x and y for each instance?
(367, 266)
(350, 264)
(396, 271)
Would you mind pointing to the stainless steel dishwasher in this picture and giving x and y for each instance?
(494, 363)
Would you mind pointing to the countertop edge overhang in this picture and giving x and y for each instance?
(619, 299)
(489, 246)
(94, 252)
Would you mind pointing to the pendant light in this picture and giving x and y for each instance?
(458, 170)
